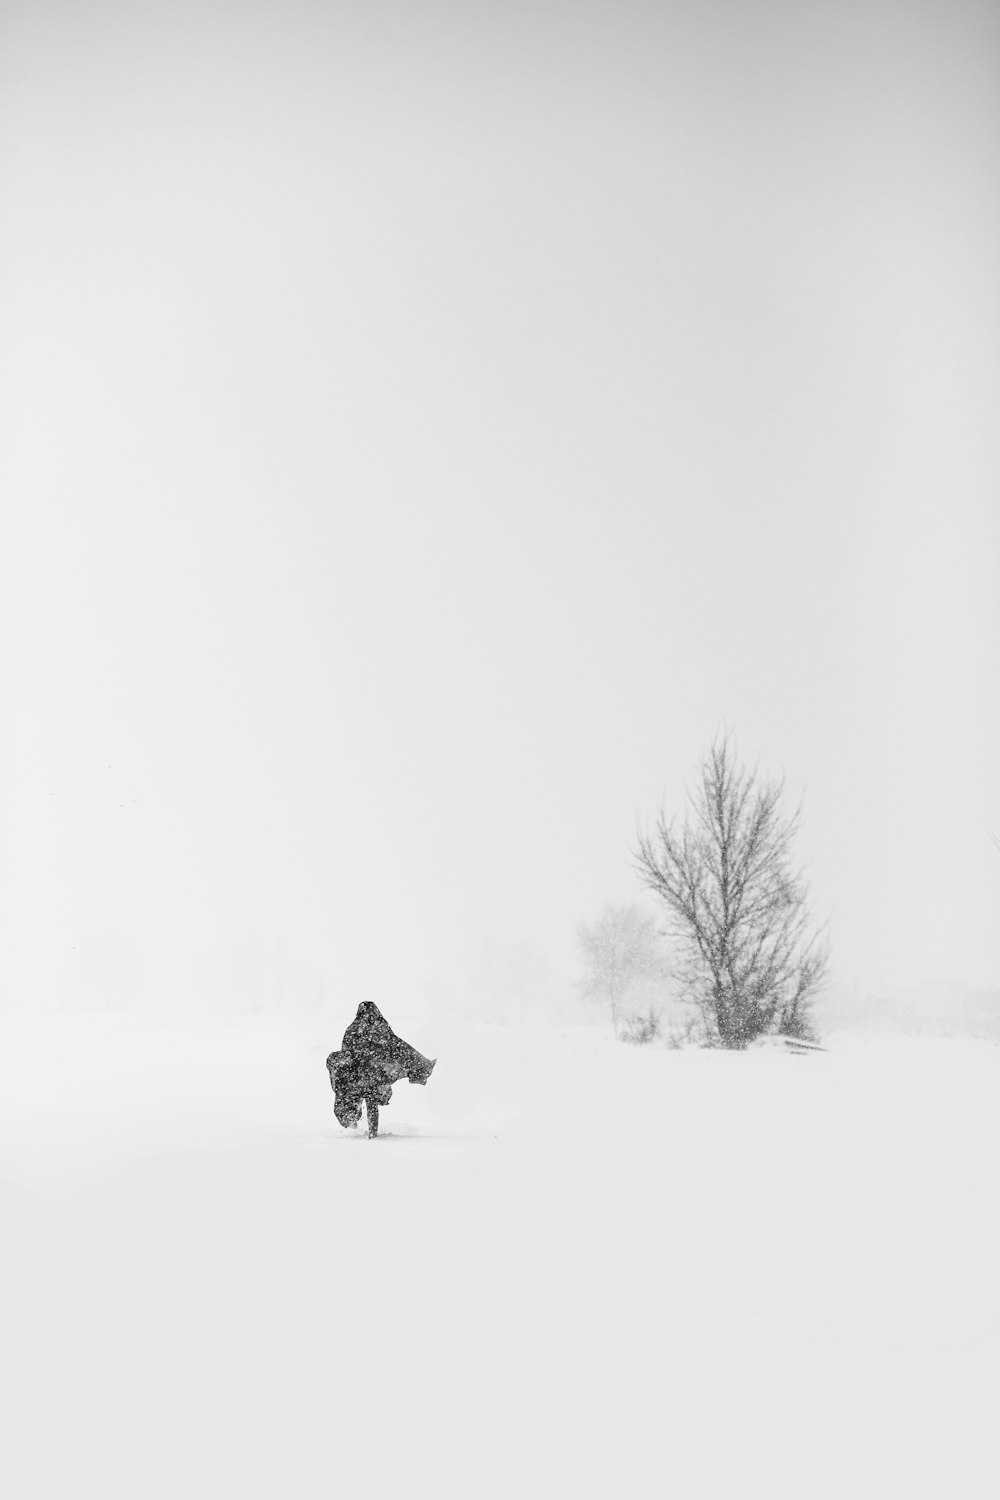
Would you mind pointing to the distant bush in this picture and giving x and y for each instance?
(690, 1032)
(640, 1030)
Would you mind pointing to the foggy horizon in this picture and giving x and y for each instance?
(428, 426)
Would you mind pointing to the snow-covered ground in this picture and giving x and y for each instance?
(568, 1268)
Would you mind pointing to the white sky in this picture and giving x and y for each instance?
(427, 424)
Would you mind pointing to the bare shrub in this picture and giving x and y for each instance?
(738, 910)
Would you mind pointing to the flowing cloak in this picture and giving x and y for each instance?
(371, 1059)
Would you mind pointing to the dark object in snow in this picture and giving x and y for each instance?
(371, 1059)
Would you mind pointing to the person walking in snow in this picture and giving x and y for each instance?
(370, 1060)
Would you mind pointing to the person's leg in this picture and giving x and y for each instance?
(348, 1114)
(347, 1103)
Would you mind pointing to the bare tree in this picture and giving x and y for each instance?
(737, 908)
(622, 950)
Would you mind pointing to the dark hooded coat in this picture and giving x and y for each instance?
(371, 1059)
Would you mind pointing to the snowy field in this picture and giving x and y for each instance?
(568, 1268)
